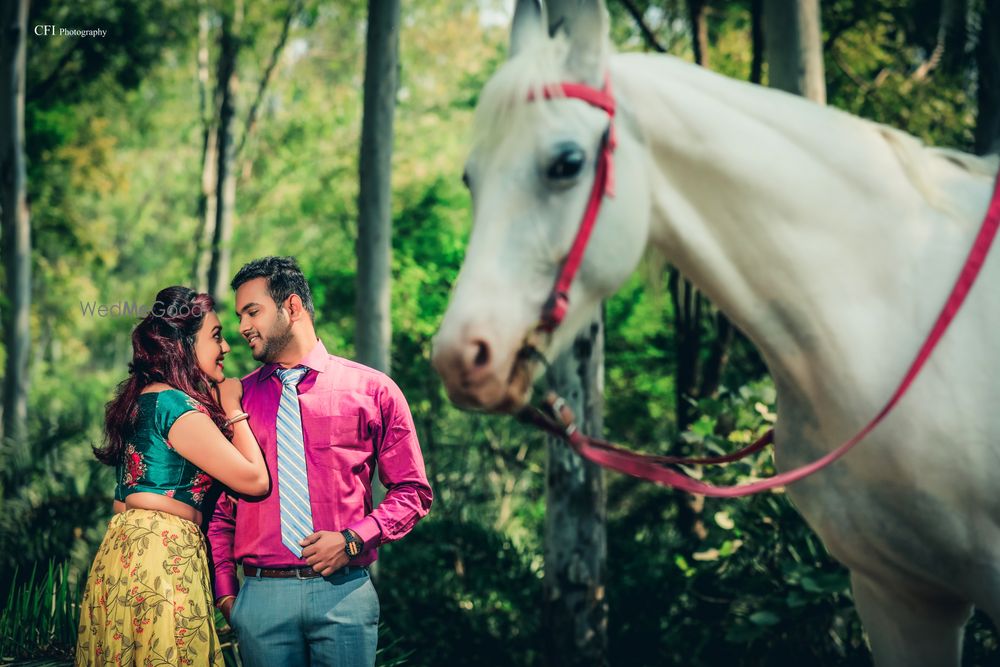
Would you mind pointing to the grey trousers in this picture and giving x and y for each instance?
(322, 622)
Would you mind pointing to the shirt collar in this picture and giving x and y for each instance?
(316, 360)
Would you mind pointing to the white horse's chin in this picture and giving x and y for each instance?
(505, 394)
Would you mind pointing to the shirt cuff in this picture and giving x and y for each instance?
(226, 586)
(369, 531)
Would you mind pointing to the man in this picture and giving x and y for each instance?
(323, 422)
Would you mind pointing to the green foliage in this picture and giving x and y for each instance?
(759, 589)
(53, 493)
(456, 593)
(872, 63)
(68, 69)
(114, 146)
(741, 581)
(41, 616)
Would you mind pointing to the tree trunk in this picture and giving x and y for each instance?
(225, 186)
(699, 31)
(793, 43)
(207, 206)
(294, 7)
(718, 355)
(954, 32)
(373, 327)
(757, 40)
(373, 324)
(687, 344)
(209, 160)
(220, 150)
(988, 64)
(575, 608)
(16, 228)
(687, 302)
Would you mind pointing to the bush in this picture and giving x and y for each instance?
(460, 594)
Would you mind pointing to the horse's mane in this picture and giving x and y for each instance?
(917, 160)
(504, 101)
(981, 165)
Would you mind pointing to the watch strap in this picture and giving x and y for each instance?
(353, 546)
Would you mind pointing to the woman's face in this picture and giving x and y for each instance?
(210, 347)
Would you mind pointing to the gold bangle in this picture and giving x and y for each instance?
(238, 418)
(223, 599)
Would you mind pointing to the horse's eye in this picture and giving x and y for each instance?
(567, 165)
(465, 179)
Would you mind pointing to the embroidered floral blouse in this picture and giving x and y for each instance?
(150, 463)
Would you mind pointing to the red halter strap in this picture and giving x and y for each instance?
(558, 302)
(653, 468)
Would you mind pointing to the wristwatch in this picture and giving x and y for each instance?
(352, 545)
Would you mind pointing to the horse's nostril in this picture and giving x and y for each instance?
(482, 357)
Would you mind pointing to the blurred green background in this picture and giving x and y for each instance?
(114, 147)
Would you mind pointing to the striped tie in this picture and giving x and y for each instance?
(293, 482)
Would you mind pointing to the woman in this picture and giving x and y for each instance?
(167, 431)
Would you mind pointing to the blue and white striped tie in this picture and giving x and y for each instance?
(293, 482)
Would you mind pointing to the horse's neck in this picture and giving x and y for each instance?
(797, 221)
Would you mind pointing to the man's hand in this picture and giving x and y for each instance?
(324, 550)
(227, 607)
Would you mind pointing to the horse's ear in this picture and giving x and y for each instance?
(528, 25)
(559, 12)
(586, 24)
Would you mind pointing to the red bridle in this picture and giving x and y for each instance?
(655, 468)
(557, 304)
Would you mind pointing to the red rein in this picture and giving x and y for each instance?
(655, 468)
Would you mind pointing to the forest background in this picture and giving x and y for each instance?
(127, 194)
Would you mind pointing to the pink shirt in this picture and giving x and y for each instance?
(352, 417)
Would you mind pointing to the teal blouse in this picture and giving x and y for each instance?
(150, 463)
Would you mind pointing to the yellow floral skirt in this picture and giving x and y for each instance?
(148, 597)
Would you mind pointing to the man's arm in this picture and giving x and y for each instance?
(221, 532)
(401, 470)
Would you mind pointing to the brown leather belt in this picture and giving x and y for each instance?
(284, 573)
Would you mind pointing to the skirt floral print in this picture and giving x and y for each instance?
(148, 597)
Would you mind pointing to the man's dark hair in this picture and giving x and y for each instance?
(284, 278)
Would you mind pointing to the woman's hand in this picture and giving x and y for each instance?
(231, 395)
(227, 607)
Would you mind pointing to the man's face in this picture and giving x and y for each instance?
(263, 323)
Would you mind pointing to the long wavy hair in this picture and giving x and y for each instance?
(162, 351)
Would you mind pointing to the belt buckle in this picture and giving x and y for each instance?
(298, 573)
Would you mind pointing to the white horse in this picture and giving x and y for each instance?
(832, 242)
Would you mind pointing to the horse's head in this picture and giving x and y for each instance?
(530, 173)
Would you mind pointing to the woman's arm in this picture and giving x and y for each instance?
(238, 464)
